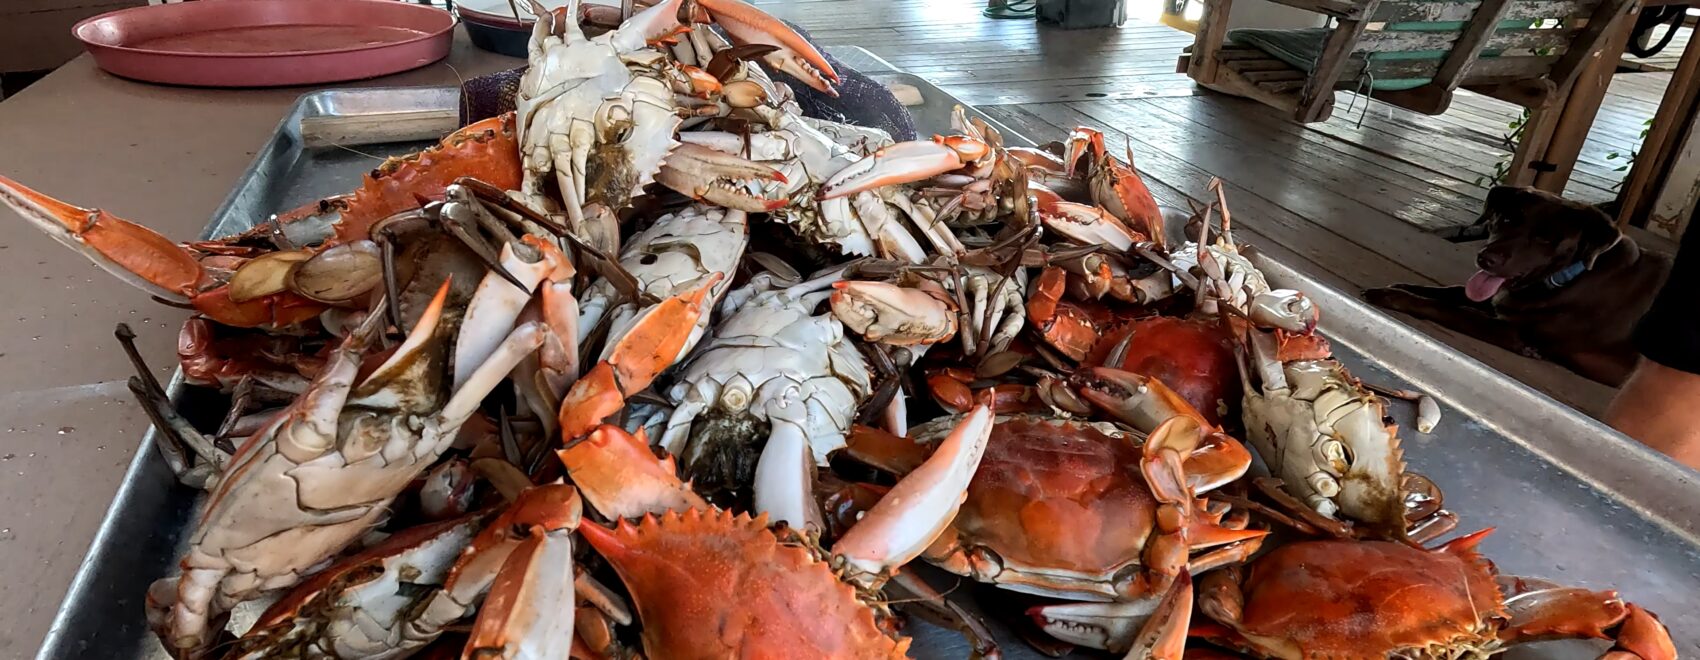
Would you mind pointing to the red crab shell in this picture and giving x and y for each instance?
(1055, 495)
(1359, 599)
(487, 151)
(709, 584)
(1194, 357)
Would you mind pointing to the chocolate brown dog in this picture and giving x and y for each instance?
(1558, 281)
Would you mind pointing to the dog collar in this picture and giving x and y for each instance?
(1565, 275)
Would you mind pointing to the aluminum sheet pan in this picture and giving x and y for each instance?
(1571, 499)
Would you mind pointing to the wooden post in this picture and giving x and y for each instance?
(1532, 146)
(1673, 203)
(1581, 104)
(1212, 30)
(1554, 131)
(1319, 88)
(1652, 167)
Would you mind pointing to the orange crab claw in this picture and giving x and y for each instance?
(652, 344)
(1643, 635)
(1062, 323)
(656, 338)
(920, 506)
(746, 24)
(884, 450)
(1089, 225)
(702, 84)
(134, 253)
(620, 475)
(904, 162)
(1081, 142)
(766, 598)
(1163, 637)
(1139, 401)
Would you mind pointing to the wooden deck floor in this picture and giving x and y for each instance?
(1353, 201)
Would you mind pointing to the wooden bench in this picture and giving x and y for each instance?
(1412, 53)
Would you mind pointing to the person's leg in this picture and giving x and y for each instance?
(1660, 407)
(1660, 404)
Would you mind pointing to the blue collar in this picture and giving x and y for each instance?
(1565, 275)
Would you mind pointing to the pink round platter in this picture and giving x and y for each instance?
(267, 43)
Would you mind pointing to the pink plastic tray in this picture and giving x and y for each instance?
(267, 43)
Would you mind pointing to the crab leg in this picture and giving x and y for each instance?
(135, 254)
(529, 611)
(1539, 611)
(497, 302)
(919, 507)
(1089, 225)
(536, 510)
(1166, 554)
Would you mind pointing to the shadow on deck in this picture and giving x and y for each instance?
(1353, 201)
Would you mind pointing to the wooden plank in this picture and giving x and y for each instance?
(1340, 259)
(1328, 200)
(1271, 64)
(1441, 12)
(1557, 40)
(1483, 70)
(1444, 194)
(1000, 93)
(1318, 94)
(1469, 45)
(1376, 181)
(1271, 76)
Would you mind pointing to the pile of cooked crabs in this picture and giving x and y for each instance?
(655, 364)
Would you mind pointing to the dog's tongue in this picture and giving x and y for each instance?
(1482, 285)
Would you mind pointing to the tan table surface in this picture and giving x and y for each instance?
(161, 156)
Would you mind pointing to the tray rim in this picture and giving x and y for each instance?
(91, 43)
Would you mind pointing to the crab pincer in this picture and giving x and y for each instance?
(904, 162)
(652, 344)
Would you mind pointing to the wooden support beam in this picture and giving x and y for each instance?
(1582, 104)
(1532, 93)
(1469, 46)
(1319, 89)
(1532, 146)
(1650, 172)
(1605, 22)
(1212, 31)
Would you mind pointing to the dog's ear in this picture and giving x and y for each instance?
(1599, 234)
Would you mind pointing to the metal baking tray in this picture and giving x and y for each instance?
(1572, 500)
